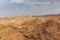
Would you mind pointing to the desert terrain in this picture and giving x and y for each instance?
(30, 28)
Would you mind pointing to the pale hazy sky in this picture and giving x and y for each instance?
(29, 7)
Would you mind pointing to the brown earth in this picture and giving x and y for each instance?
(30, 28)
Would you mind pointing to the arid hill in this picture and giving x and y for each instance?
(30, 28)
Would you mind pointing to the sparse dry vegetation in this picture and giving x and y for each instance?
(30, 28)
